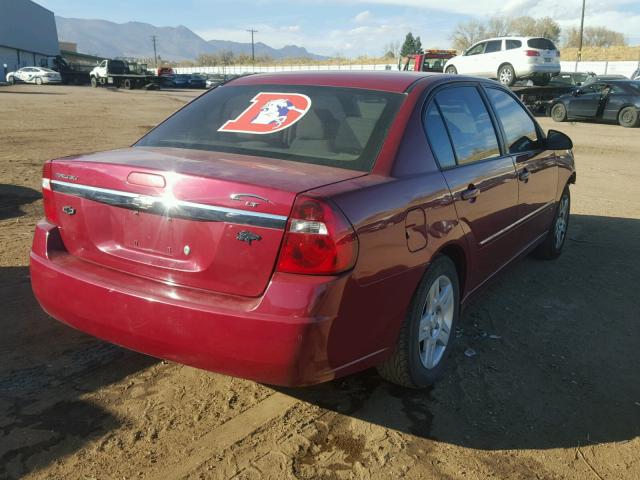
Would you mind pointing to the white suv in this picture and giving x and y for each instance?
(509, 59)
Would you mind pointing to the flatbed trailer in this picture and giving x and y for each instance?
(538, 99)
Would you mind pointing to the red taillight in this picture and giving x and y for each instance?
(319, 240)
(532, 53)
(48, 201)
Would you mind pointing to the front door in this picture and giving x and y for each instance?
(471, 62)
(482, 180)
(586, 101)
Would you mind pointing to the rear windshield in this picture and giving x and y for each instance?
(541, 44)
(339, 127)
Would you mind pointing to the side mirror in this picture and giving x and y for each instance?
(577, 92)
(558, 141)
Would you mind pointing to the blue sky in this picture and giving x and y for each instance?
(347, 27)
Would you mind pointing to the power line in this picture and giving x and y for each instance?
(253, 52)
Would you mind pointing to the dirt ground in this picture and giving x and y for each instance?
(552, 392)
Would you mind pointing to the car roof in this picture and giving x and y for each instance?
(383, 80)
(509, 37)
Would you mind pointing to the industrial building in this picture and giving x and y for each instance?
(28, 35)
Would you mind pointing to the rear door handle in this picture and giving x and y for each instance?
(523, 176)
(470, 193)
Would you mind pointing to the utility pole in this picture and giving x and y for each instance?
(579, 56)
(253, 52)
(155, 55)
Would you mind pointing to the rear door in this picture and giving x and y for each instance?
(536, 168)
(480, 177)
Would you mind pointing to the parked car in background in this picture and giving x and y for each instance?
(603, 78)
(574, 79)
(37, 75)
(297, 227)
(509, 59)
(180, 80)
(197, 81)
(609, 101)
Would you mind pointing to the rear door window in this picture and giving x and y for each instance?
(439, 138)
(469, 124)
(541, 44)
(512, 44)
(520, 130)
(493, 46)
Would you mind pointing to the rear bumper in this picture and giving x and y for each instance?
(278, 338)
(532, 70)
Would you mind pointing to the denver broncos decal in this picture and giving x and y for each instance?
(269, 112)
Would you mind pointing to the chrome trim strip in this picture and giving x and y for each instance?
(515, 224)
(176, 209)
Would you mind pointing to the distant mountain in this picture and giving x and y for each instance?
(133, 39)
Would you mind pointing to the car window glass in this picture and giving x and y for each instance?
(493, 46)
(511, 44)
(469, 124)
(477, 49)
(541, 44)
(438, 137)
(338, 127)
(519, 128)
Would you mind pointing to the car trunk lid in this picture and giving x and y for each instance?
(206, 220)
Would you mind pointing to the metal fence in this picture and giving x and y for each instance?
(600, 68)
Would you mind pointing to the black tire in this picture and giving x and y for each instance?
(559, 112)
(506, 75)
(38, 81)
(94, 82)
(629, 118)
(551, 247)
(405, 366)
(541, 80)
(12, 80)
(451, 70)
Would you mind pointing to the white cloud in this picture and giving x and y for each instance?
(363, 16)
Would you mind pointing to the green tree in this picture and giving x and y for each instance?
(411, 45)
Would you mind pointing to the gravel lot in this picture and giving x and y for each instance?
(553, 391)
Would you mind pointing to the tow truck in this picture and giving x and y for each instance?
(118, 73)
(427, 61)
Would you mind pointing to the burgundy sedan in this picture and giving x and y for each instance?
(294, 228)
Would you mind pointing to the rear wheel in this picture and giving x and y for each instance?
(38, 81)
(127, 84)
(428, 331)
(451, 70)
(629, 118)
(541, 80)
(551, 247)
(506, 75)
(559, 112)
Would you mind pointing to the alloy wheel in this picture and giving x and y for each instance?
(560, 230)
(436, 322)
